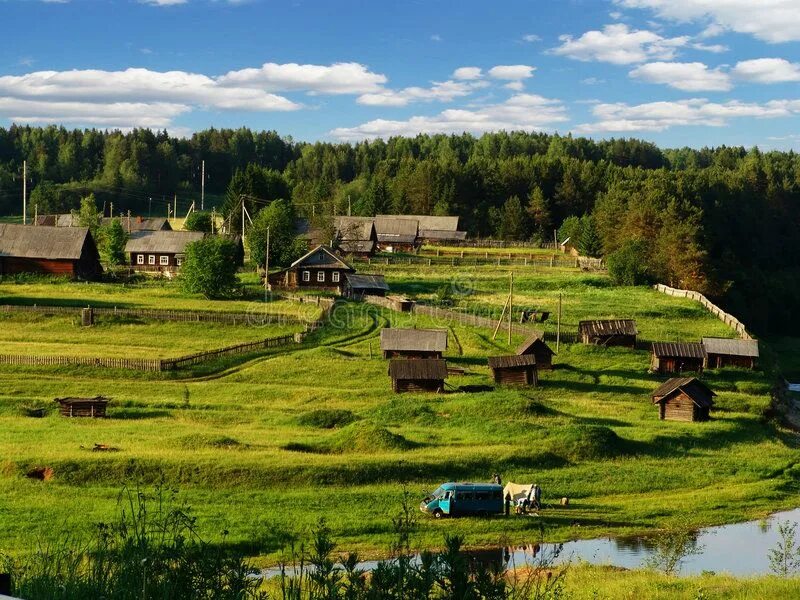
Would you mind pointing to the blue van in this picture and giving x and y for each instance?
(463, 499)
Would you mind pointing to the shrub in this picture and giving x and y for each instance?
(628, 265)
(198, 221)
(210, 268)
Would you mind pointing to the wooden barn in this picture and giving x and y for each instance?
(83, 407)
(437, 229)
(424, 375)
(514, 369)
(68, 251)
(536, 346)
(131, 224)
(357, 286)
(677, 357)
(684, 399)
(396, 234)
(162, 250)
(610, 332)
(319, 269)
(356, 235)
(721, 352)
(413, 343)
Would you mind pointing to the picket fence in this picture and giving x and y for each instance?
(471, 259)
(715, 310)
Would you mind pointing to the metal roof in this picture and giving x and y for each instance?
(423, 368)
(730, 347)
(54, 243)
(161, 242)
(321, 257)
(366, 282)
(699, 392)
(534, 340)
(512, 360)
(679, 349)
(608, 327)
(409, 340)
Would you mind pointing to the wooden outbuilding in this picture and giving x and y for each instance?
(609, 332)
(677, 357)
(356, 235)
(413, 343)
(131, 224)
(162, 250)
(83, 407)
(423, 375)
(67, 251)
(396, 233)
(357, 286)
(514, 369)
(536, 346)
(684, 399)
(721, 352)
(319, 269)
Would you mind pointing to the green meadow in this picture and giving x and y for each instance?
(263, 445)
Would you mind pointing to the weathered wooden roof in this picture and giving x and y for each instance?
(727, 347)
(321, 257)
(141, 223)
(534, 340)
(395, 226)
(679, 349)
(351, 246)
(608, 327)
(366, 282)
(429, 222)
(699, 392)
(512, 360)
(410, 340)
(423, 368)
(53, 243)
(161, 242)
(355, 228)
(95, 400)
(441, 234)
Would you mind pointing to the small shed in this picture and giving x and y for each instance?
(424, 375)
(721, 352)
(514, 369)
(358, 286)
(677, 357)
(413, 343)
(536, 346)
(609, 332)
(684, 399)
(83, 407)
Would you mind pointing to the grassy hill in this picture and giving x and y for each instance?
(268, 444)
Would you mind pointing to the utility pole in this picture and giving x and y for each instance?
(24, 192)
(150, 207)
(214, 218)
(175, 210)
(242, 219)
(348, 205)
(35, 214)
(510, 306)
(129, 220)
(266, 270)
(203, 185)
(558, 325)
(112, 210)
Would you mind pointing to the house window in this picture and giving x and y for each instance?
(151, 259)
(320, 276)
(335, 277)
(164, 260)
(140, 259)
(306, 276)
(178, 261)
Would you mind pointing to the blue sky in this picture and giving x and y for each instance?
(678, 72)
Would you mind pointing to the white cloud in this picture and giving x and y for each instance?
(769, 20)
(658, 116)
(467, 73)
(338, 78)
(715, 48)
(592, 81)
(440, 91)
(767, 70)
(517, 86)
(619, 45)
(689, 77)
(527, 112)
(511, 72)
(531, 37)
(163, 2)
(155, 115)
(436, 37)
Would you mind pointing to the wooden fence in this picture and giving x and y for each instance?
(134, 364)
(488, 243)
(172, 364)
(466, 259)
(715, 310)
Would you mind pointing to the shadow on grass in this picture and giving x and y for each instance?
(135, 414)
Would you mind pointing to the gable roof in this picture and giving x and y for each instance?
(354, 246)
(355, 228)
(140, 223)
(534, 340)
(53, 243)
(748, 348)
(96, 399)
(442, 234)
(424, 368)
(161, 241)
(431, 222)
(391, 227)
(512, 360)
(366, 282)
(679, 349)
(608, 327)
(410, 340)
(699, 392)
(321, 257)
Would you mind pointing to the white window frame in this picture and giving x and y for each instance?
(140, 259)
(306, 276)
(178, 261)
(151, 259)
(335, 277)
(163, 260)
(320, 276)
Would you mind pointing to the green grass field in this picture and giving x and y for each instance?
(265, 445)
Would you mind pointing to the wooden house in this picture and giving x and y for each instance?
(684, 399)
(677, 357)
(536, 346)
(424, 375)
(396, 234)
(131, 224)
(357, 286)
(514, 369)
(721, 352)
(319, 269)
(83, 407)
(413, 343)
(66, 251)
(356, 235)
(162, 250)
(611, 332)
(437, 229)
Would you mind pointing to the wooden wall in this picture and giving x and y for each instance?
(417, 385)
(11, 265)
(681, 408)
(718, 361)
(411, 354)
(516, 376)
(672, 364)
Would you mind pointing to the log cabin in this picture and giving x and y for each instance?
(423, 375)
(319, 269)
(162, 250)
(684, 399)
(413, 343)
(677, 357)
(721, 352)
(536, 346)
(609, 332)
(66, 251)
(514, 369)
(83, 407)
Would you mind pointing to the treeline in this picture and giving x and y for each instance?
(723, 221)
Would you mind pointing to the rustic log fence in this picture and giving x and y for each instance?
(465, 259)
(715, 310)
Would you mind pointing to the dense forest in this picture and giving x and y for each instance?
(725, 221)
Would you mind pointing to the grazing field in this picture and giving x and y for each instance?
(269, 443)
